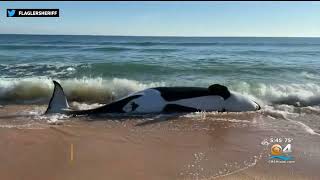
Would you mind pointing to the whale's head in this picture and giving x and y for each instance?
(237, 103)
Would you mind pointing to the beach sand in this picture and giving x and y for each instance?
(183, 147)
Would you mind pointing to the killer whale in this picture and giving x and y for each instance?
(162, 100)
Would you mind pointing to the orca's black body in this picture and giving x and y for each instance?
(177, 93)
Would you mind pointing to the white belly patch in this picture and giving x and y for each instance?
(205, 103)
(151, 101)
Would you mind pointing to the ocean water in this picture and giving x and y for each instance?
(100, 68)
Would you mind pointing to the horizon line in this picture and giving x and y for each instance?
(164, 36)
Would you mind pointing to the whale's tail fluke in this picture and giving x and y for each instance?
(58, 102)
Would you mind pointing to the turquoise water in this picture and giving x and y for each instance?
(98, 68)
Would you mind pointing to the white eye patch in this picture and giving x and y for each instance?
(130, 107)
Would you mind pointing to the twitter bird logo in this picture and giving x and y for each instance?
(11, 12)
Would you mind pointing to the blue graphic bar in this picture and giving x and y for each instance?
(284, 158)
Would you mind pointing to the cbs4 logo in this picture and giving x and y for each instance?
(277, 149)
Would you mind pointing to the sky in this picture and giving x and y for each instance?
(260, 19)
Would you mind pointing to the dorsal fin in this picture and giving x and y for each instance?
(217, 89)
(58, 102)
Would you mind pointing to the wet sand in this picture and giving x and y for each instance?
(182, 148)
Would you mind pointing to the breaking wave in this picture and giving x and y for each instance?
(102, 90)
(301, 95)
(92, 90)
